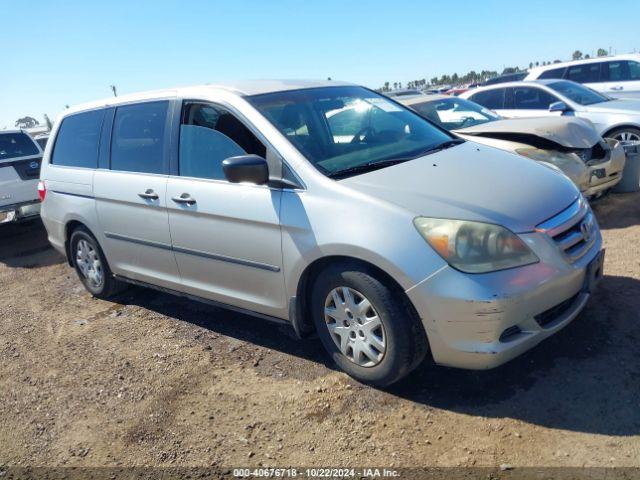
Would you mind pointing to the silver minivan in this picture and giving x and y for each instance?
(379, 231)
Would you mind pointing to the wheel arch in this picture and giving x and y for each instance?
(69, 228)
(299, 312)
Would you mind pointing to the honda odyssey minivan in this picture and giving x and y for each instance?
(381, 232)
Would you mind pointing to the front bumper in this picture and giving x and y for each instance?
(480, 321)
(19, 212)
(606, 175)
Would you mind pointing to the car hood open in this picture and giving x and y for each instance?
(569, 132)
(472, 182)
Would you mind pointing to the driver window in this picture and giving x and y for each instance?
(210, 134)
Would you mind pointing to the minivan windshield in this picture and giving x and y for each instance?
(578, 93)
(453, 113)
(14, 145)
(348, 130)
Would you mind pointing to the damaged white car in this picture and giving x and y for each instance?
(571, 144)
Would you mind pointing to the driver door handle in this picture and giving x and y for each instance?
(184, 198)
(617, 88)
(149, 194)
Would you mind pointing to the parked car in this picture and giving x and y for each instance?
(400, 240)
(455, 91)
(613, 118)
(569, 143)
(509, 77)
(20, 158)
(403, 92)
(617, 76)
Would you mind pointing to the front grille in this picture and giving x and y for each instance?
(549, 316)
(573, 230)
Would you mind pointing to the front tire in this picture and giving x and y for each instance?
(365, 325)
(625, 134)
(91, 265)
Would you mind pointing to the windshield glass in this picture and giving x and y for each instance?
(13, 145)
(454, 113)
(341, 128)
(578, 93)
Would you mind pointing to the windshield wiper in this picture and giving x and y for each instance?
(366, 167)
(442, 146)
(371, 166)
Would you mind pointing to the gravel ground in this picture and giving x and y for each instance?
(152, 380)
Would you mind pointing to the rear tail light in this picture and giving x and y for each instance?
(42, 190)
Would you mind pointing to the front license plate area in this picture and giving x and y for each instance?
(595, 270)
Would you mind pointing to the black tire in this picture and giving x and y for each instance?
(405, 339)
(104, 289)
(619, 133)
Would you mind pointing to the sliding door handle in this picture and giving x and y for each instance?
(149, 195)
(184, 198)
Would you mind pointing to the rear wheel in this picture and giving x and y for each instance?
(91, 265)
(365, 326)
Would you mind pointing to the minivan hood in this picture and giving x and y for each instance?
(569, 132)
(618, 105)
(472, 182)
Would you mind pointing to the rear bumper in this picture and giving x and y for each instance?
(19, 212)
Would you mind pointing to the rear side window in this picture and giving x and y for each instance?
(137, 140)
(531, 98)
(208, 135)
(553, 73)
(634, 70)
(492, 99)
(78, 139)
(14, 145)
(586, 73)
(616, 71)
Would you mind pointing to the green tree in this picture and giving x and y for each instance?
(577, 55)
(27, 122)
(602, 52)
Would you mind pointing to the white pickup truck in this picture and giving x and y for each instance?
(20, 158)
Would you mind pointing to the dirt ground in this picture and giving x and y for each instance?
(153, 380)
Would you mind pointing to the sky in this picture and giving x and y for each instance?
(57, 53)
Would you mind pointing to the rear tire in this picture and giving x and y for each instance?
(91, 265)
(369, 332)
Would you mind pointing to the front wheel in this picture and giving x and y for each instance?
(626, 134)
(91, 265)
(365, 326)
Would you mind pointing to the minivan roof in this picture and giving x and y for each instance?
(241, 88)
(534, 72)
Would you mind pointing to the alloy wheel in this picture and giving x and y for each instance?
(626, 136)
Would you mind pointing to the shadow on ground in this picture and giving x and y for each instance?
(25, 245)
(619, 210)
(586, 378)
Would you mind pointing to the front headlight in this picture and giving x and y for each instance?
(554, 157)
(474, 247)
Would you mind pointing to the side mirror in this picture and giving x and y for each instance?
(246, 168)
(559, 107)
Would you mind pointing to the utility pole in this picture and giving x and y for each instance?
(113, 89)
